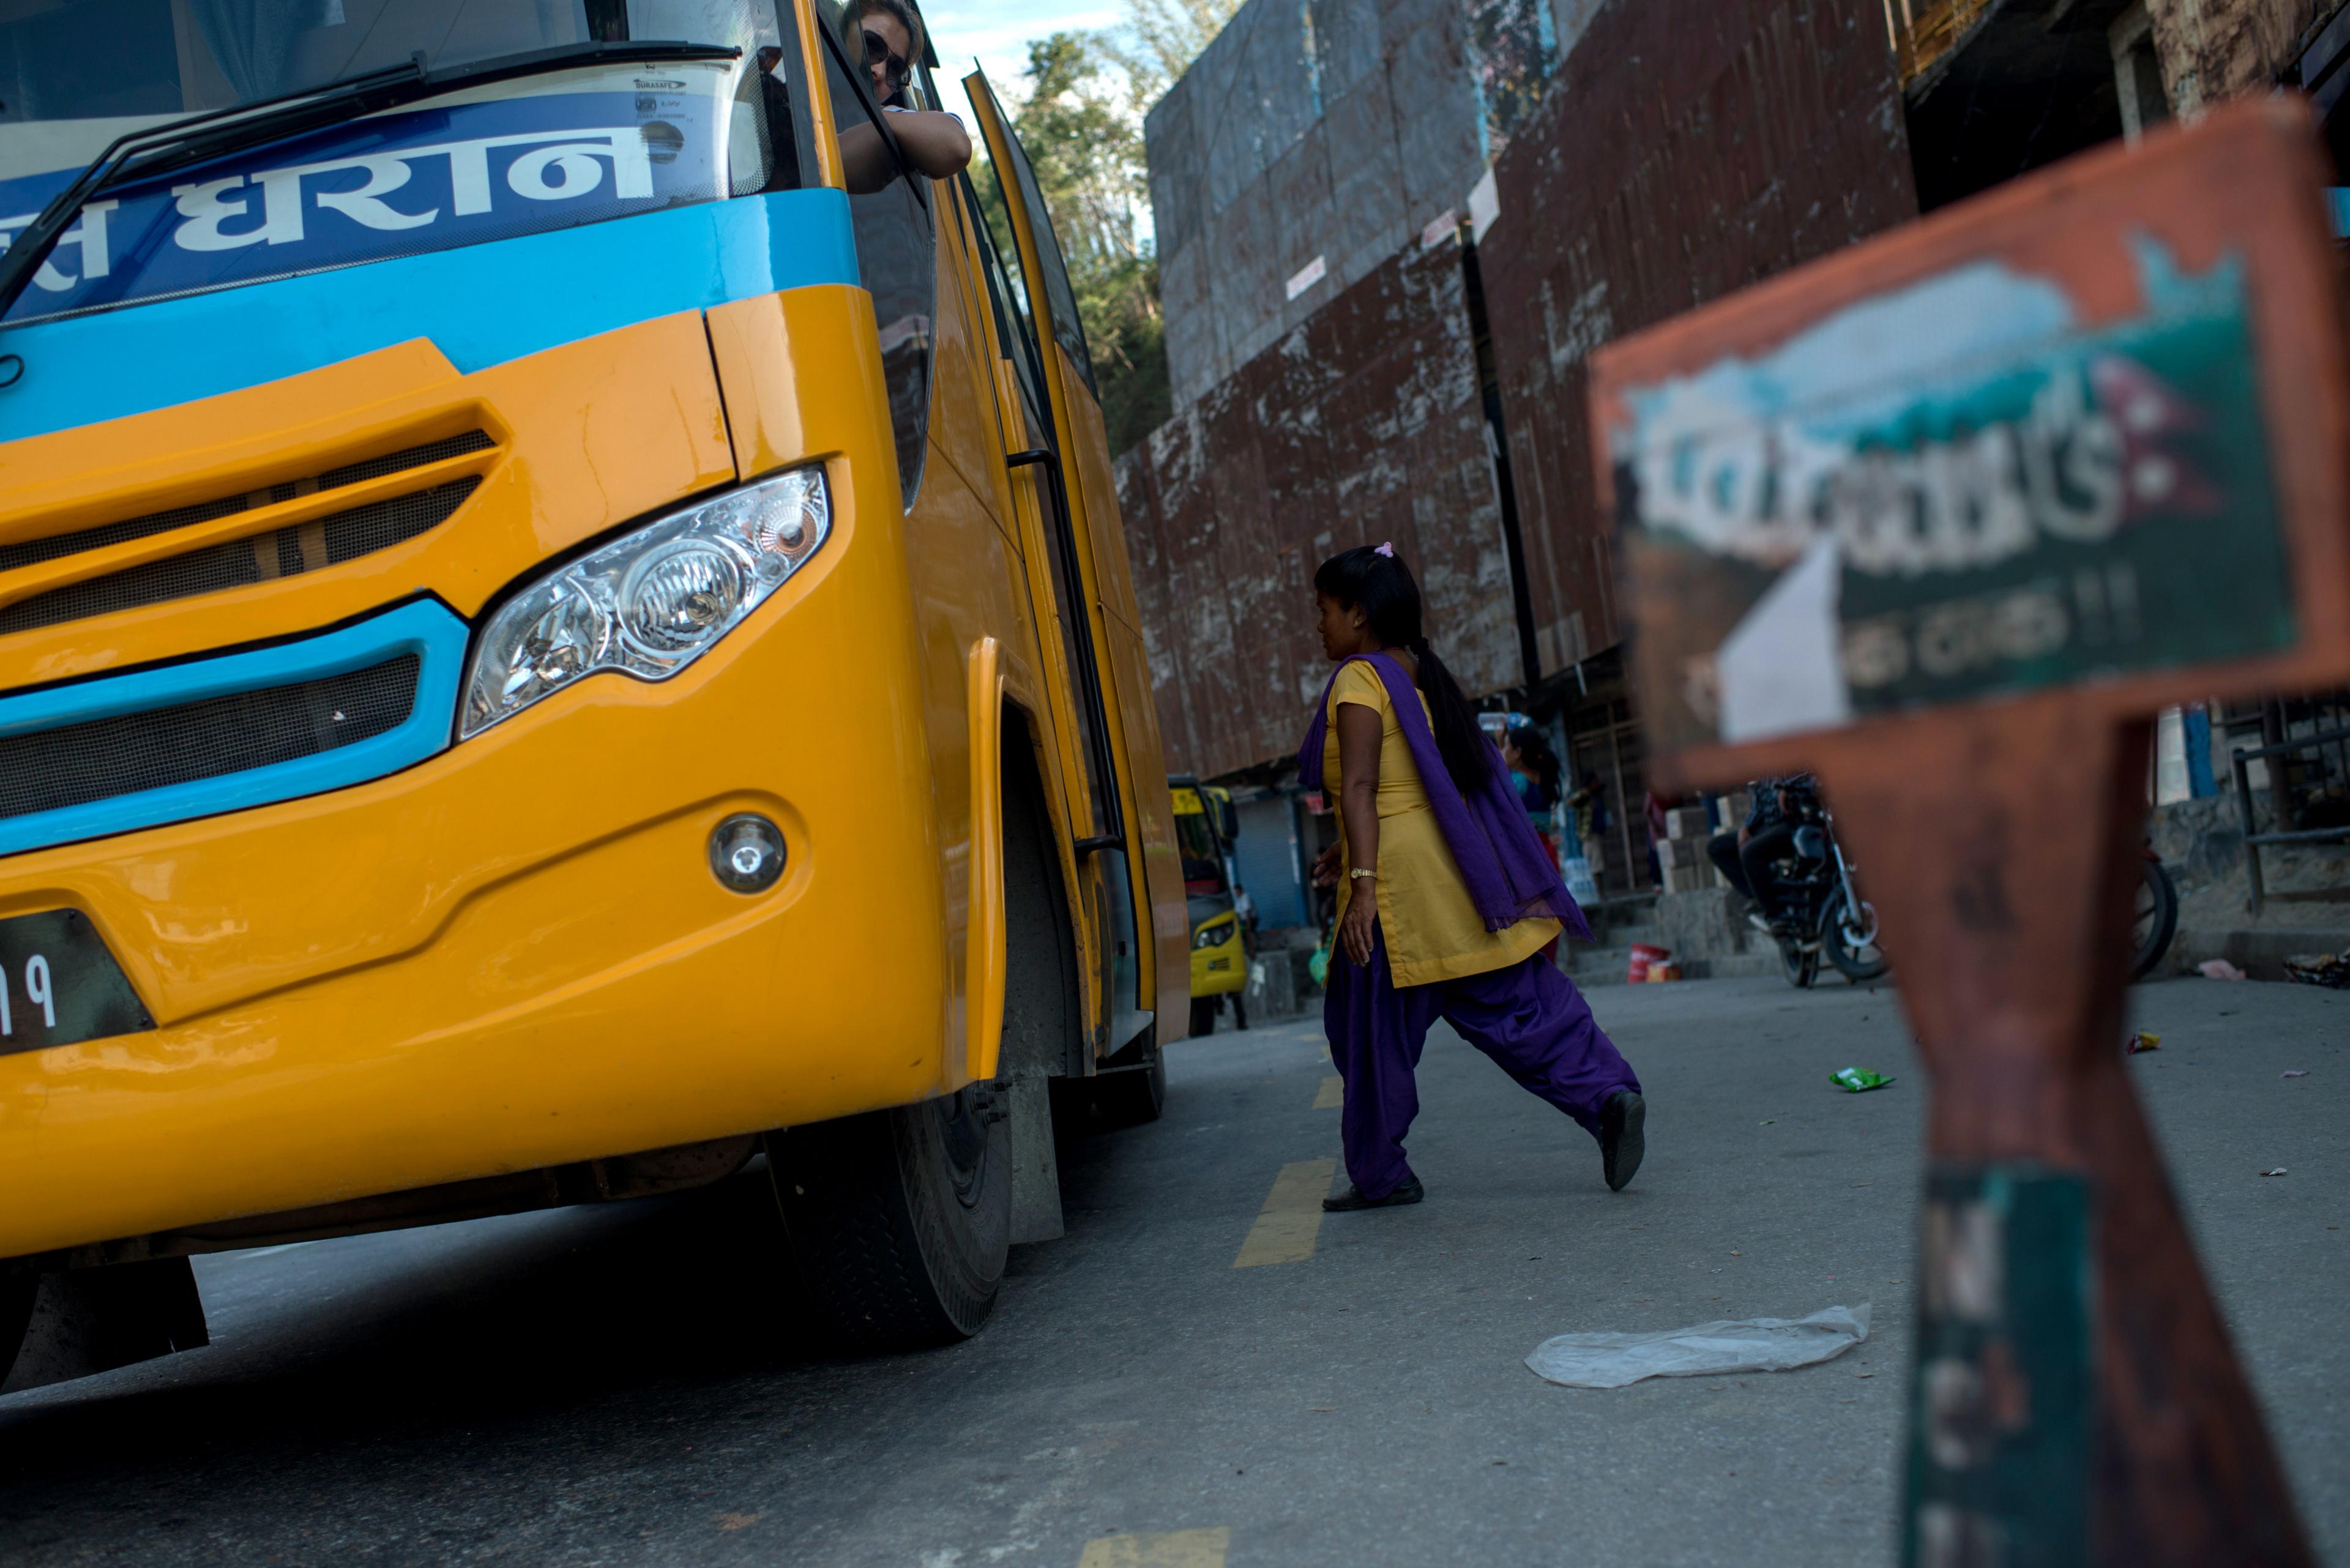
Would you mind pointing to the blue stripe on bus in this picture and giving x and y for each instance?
(434, 635)
(481, 305)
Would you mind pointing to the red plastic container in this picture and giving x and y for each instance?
(1643, 955)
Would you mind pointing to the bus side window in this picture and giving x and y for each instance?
(897, 260)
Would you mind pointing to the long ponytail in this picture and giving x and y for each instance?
(1375, 582)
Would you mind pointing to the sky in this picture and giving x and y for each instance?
(998, 34)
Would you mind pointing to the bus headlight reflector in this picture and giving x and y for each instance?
(677, 598)
(651, 603)
(1215, 934)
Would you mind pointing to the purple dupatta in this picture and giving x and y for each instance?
(1509, 875)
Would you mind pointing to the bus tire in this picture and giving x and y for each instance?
(16, 1295)
(1134, 1094)
(900, 1221)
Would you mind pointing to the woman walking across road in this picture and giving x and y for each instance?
(1446, 898)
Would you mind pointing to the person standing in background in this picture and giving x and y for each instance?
(1535, 775)
(1654, 808)
(1776, 808)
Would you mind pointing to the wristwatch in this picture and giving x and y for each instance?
(1361, 871)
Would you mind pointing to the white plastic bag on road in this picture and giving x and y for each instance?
(1710, 1349)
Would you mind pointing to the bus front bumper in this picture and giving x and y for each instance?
(512, 955)
(1221, 970)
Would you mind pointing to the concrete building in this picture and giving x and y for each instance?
(1389, 232)
(1393, 230)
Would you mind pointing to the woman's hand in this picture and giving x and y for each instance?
(1354, 926)
(1328, 865)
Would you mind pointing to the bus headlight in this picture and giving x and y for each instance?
(652, 603)
(1215, 934)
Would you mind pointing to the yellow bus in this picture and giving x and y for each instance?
(548, 652)
(1206, 825)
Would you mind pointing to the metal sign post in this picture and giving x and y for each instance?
(1947, 518)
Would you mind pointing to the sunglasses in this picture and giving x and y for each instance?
(896, 70)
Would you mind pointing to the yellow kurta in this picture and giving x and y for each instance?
(1433, 932)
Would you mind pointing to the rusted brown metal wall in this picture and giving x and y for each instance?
(1686, 148)
(2213, 50)
(1361, 424)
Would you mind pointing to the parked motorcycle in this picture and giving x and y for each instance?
(1823, 913)
(1822, 910)
(2156, 918)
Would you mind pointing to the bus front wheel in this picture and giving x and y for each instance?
(899, 1220)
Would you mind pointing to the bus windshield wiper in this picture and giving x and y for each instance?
(199, 137)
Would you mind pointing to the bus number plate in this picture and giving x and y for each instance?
(59, 985)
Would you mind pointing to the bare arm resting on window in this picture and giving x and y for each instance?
(934, 143)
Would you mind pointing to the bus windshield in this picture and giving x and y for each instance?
(1203, 859)
(489, 161)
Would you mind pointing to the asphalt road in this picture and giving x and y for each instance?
(624, 1386)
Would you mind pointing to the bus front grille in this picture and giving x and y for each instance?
(327, 541)
(32, 552)
(99, 759)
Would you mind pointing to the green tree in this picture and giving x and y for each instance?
(1159, 41)
(1082, 126)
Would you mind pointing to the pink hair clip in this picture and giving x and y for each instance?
(1386, 547)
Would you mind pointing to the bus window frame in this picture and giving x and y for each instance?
(1055, 267)
(1105, 795)
(997, 132)
(1018, 342)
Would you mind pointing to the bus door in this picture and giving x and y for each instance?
(1079, 677)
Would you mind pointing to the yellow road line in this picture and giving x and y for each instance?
(1172, 1549)
(1285, 1226)
(1332, 1094)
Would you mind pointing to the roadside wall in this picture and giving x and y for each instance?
(1645, 155)
(1312, 141)
(1686, 148)
(1362, 423)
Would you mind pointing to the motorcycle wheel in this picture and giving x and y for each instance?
(1801, 966)
(2154, 921)
(1850, 941)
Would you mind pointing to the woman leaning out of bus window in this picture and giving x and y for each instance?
(887, 37)
(1448, 906)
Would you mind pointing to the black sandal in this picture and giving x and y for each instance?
(1622, 1141)
(1347, 1202)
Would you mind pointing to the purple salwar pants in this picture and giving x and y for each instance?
(1529, 1018)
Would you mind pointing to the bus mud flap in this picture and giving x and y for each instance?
(1035, 1169)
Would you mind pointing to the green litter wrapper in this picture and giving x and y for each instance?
(1857, 1080)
